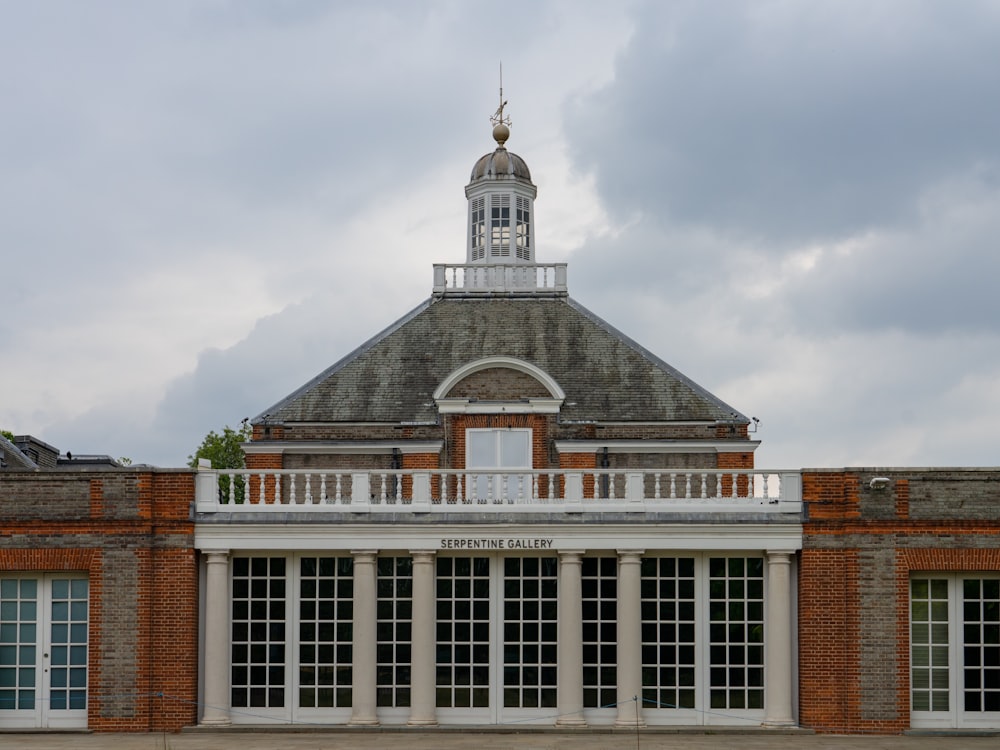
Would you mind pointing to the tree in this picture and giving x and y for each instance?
(225, 452)
(7, 434)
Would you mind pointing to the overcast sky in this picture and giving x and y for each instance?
(204, 203)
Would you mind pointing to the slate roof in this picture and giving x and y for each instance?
(605, 375)
(11, 457)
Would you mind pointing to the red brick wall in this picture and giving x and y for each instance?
(138, 530)
(584, 462)
(263, 462)
(860, 547)
(742, 460)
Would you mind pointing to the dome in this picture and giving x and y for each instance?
(500, 164)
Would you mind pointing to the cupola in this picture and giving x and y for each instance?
(501, 204)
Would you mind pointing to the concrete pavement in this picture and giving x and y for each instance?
(459, 739)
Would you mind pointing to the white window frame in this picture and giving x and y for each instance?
(42, 715)
(955, 717)
(482, 479)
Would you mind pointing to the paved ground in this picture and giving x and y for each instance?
(459, 740)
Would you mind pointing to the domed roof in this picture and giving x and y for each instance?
(499, 165)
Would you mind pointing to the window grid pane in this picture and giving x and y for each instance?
(326, 631)
(929, 668)
(981, 646)
(530, 628)
(600, 631)
(395, 620)
(463, 632)
(258, 655)
(736, 632)
(668, 632)
(18, 645)
(68, 632)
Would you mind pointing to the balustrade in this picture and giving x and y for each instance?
(447, 490)
(477, 278)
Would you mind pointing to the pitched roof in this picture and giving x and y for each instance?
(605, 375)
(12, 457)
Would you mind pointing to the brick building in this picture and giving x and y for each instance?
(500, 509)
(899, 600)
(98, 599)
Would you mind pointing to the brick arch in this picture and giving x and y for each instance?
(510, 363)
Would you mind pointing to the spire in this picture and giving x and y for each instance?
(501, 123)
(501, 202)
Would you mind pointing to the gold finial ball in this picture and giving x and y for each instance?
(500, 134)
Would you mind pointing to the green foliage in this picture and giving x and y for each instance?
(7, 434)
(223, 450)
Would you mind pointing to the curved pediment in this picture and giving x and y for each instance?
(529, 381)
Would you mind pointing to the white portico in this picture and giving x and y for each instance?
(499, 510)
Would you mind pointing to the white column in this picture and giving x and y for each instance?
(778, 642)
(569, 690)
(216, 710)
(364, 668)
(423, 648)
(629, 639)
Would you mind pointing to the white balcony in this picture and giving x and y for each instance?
(500, 278)
(520, 491)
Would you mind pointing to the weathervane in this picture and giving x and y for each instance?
(498, 117)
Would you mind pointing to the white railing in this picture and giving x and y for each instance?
(523, 491)
(472, 278)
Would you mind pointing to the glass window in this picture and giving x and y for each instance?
(499, 449)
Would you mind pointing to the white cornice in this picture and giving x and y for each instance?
(528, 406)
(346, 448)
(591, 536)
(657, 446)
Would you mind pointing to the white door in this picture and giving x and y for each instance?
(955, 651)
(496, 648)
(43, 651)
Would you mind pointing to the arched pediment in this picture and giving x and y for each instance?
(553, 398)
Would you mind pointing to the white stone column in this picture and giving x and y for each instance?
(569, 690)
(778, 641)
(217, 651)
(629, 639)
(364, 671)
(423, 648)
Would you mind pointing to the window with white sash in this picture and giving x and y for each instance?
(506, 449)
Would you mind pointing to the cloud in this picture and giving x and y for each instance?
(795, 204)
(789, 121)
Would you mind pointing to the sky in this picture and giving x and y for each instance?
(205, 203)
